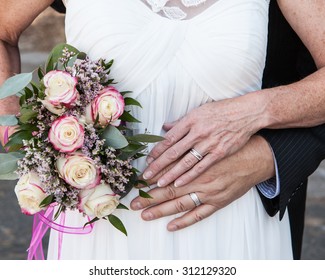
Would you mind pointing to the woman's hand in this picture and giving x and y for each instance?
(220, 185)
(215, 130)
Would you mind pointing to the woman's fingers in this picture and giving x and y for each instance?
(190, 218)
(159, 195)
(175, 206)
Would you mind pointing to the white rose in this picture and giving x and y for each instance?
(60, 91)
(99, 202)
(30, 193)
(108, 105)
(66, 134)
(78, 171)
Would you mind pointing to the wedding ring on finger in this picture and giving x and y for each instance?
(196, 154)
(195, 199)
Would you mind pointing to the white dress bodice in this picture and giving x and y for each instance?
(172, 66)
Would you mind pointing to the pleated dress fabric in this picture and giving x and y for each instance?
(172, 67)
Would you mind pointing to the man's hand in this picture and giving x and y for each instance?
(215, 130)
(220, 185)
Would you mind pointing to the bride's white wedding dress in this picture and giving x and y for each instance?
(172, 66)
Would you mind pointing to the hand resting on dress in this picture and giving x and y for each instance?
(217, 187)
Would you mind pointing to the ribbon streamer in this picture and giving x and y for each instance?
(42, 222)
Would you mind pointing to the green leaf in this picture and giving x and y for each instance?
(122, 206)
(92, 221)
(8, 120)
(9, 176)
(28, 93)
(131, 101)
(126, 116)
(117, 223)
(55, 55)
(15, 84)
(15, 147)
(18, 137)
(40, 73)
(27, 115)
(131, 150)
(144, 194)
(125, 92)
(142, 182)
(47, 201)
(35, 88)
(8, 162)
(81, 55)
(145, 138)
(114, 138)
(60, 210)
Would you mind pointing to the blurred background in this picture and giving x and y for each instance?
(15, 228)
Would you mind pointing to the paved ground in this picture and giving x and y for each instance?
(15, 228)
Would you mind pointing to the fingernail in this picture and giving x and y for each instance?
(172, 227)
(178, 183)
(147, 175)
(161, 183)
(149, 160)
(137, 206)
(147, 216)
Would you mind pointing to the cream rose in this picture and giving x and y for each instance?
(60, 91)
(78, 171)
(30, 193)
(99, 202)
(67, 134)
(108, 106)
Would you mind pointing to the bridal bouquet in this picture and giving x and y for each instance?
(71, 148)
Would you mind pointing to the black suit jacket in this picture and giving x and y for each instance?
(298, 151)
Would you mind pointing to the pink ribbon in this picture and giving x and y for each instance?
(42, 222)
(6, 137)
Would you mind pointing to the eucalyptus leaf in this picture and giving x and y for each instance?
(9, 176)
(8, 162)
(15, 84)
(145, 138)
(8, 120)
(117, 223)
(114, 138)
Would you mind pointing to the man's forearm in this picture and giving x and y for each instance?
(301, 104)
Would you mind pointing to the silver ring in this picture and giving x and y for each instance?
(196, 154)
(195, 199)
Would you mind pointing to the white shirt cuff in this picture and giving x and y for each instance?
(271, 188)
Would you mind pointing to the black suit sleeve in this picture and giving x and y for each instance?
(298, 153)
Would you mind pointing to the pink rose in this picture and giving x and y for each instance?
(78, 171)
(30, 193)
(60, 91)
(108, 106)
(99, 202)
(66, 134)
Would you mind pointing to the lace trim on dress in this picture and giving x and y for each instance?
(177, 9)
